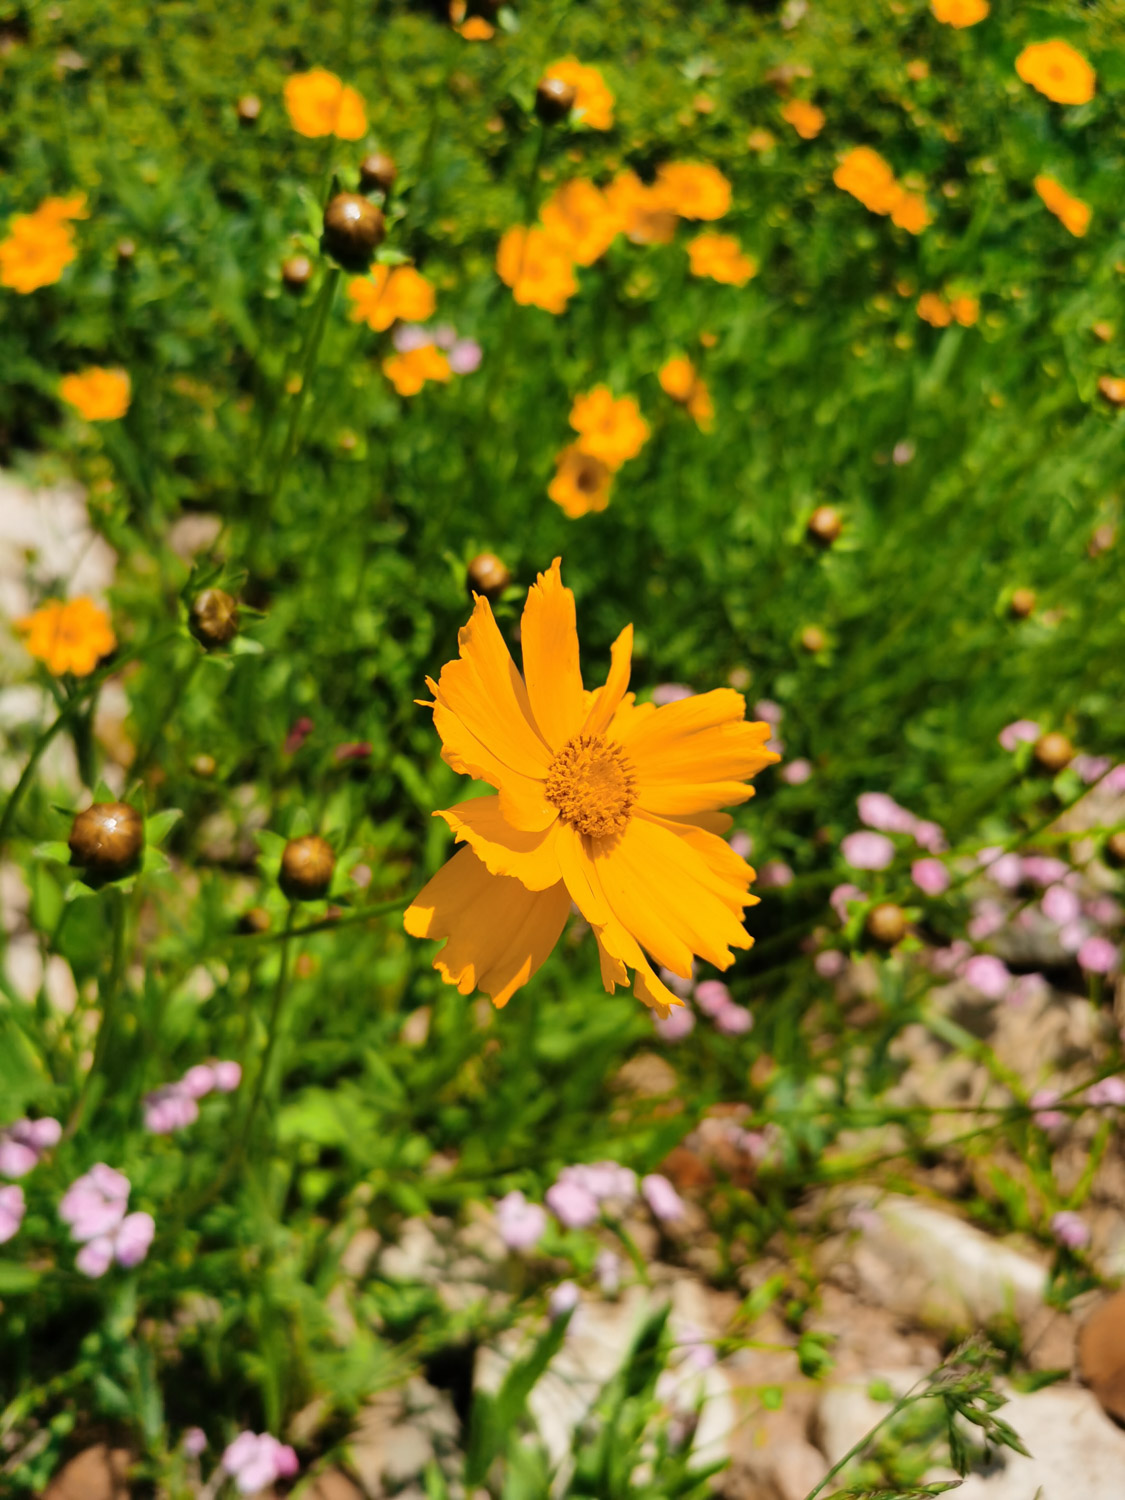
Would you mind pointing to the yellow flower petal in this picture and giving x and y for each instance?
(549, 641)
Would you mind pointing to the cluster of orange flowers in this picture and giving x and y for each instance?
(580, 221)
(68, 636)
(681, 380)
(939, 313)
(611, 430)
(865, 175)
(409, 370)
(320, 104)
(39, 246)
(97, 394)
(1071, 212)
(806, 119)
(593, 99)
(387, 295)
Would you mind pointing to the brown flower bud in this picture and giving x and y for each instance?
(1022, 603)
(306, 868)
(126, 250)
(377, 170)
(249, 107)
(1115, 850)
(1102, 330)
(107, 839)
(554, 100)
(487, 575)
(886, 924)
(825, 525)
(1112, 387)
(1103, 538)
(214, 618)
(1053, 751)
(353, 230)
(255, 919)
(204, 766)
(296, 272)
(813, 639)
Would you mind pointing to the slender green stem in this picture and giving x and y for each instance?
(21, 786)
(179, 686)
(109, 998)
(857, 1448)
(274, 1028)
(326, 924)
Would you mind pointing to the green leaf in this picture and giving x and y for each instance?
(15, 1279)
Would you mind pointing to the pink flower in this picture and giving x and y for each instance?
(1097, 955)
(867, 851)
(676, 1025)
(768, 711)
(1060, 905)
(465, 356)
(677, 983)
(128, 1244)
(1091, 768)
(255, 1460)
(663, 1200)
(521, 1224)
(95, 1257)
(1107, 1091)
(741, 843)
(775, 872)
(12, 1207)
(989, 975)
(879, 811)
(842, 897)
(671, 692)
(1023, 731)
(930, 876)
(169, 1109)
(564, 1299)
(24, 1142)
(712, 995)
(198, 1082)
(194, 1442)
(1071, 936)
(734, 1020)
(607, 1268)
(830, 964)
(605, 1179)
(1044, 869)
(945, 962)
(16, 1158)
(408, 337)
(796, 773)
(1069, 1230)
(1104, 910)
(573, 1205)
(988, 917)
(228, 1075)
(1027, 989)
(297, 735)
(1005, 869)
(1115, 780)
(94, 1205)
(445, 335)
(931, 837)
(1044, 1114)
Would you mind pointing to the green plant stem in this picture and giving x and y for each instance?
(179, 686)
(853, 1452)
(326, 924)
(109, 999)
(273, 1025)
(21, 786)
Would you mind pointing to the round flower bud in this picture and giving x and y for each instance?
(487, 575)
(1022, 603)
(306, 868)
(249, 108)
(214, 618)
(353, 230)
(126, 250)
(256, 919)
(296, 272)
(1115, 849)
(1053, 751)
(825, 525)
(886, 924)
(554, 100)
(377, 170)
(107, 839)
(813, 639)
(204, 766)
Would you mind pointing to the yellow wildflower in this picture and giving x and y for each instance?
(98, 394)
(321, 104)
(68, 636)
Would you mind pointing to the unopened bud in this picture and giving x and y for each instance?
(353, 230)
(249, 107)
(813, 639)
(886, 924)
(307, 866)
(126, 250)
(107, 839)
(204, 766)
(1022, 603)
(1053, 751)
(296, 272)
(213, 619)
(1115, 849)
(825, 525)
(377, 171)
(554, 100)
(487, 575)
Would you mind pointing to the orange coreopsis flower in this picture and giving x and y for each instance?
(1057, 70)
(581, 484)
(693, 190)
(477, 29)
(934, 310)
(865, 175)
(68, 636)
(960, 13)
(537, 269)
(599, 801)
(965, 309)
(39, 246)
(593, 100)
(409, 372)
(386, 295)
(679, 379)
(97, 394)
(909, 212)
(321, 104)
(1072, 212)
(721, 257)
(610, 428)
(578, 217)
(806, 119)
(642, 212)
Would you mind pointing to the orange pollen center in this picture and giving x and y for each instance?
(593, 785)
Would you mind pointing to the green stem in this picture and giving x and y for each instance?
(858, 1448)
(24, 782)
(179, 687)
(279, 990)
(326, 924)
(109, 999)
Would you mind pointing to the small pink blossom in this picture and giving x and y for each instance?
(94, 1205)
(1071, 936)
(16, 1158)
(521, 1224)
(1042, 1108)
(879, 811)
(12, 1208)
(830, 964)
(671, 692)
(194, 1442)
(903, 452)
(563, 1299)
(128, 1244)
(712, 995)
(169, 1109)
(931, 837)
(445, 335)
(1070, 1230)
(256, 1460)
(1060, 905)
(24, 1142)
(1107, 1091)
(663, 1200)
(867, 851)
(1026, 990)
(945, 962)
(1097, 955)
(573, 1205)
(677, 1024)
(465, 356)
(797, 772)
(1091, 768)
(741, 843)
(198, 1082)
(988, 917)
(1005, 869)
(228, 1076)
(774, 873)
(842, 897)
(1115, 780)
(768, 711)
(1023, 731)
(607, 1268)
(408, 337)
(989, 975)
(678, 983)
(930, 876)
(1104, 910)
(1044, 869)
(734, 1020)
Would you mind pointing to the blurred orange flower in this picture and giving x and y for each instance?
(537, 269)
(581, 484)
(806, 119)
(679, 379)
(609, 428)
(98, 394)
(865, 175)
(477, 29)
(1112, 387)
(320, 104)
(960, 13)
(593, 101)
(39, 246)
(934, 310)
(693, 190)
(1072, 212)
(578, 217)
(68, 636)
(409, 372)
(965, 309)
(386, 295)
(721, 257)
(909, 212)
(1057, 70)
(760, 140)
(642, 212)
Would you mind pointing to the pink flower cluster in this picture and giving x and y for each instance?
(715, 1001)
(95, 1208)
(881, 812)
(24, 1142)
(12, 1207)
(464, 354)
(521, 1224)
(580, 1193)
(1069, 1229)
(176, 1106)
(256, 1459)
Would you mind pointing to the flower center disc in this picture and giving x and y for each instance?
(593, 786)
